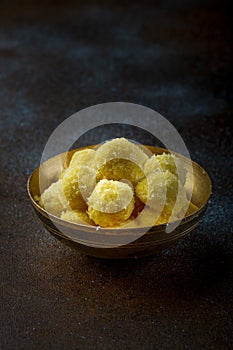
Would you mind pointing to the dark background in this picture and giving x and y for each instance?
(57, 58)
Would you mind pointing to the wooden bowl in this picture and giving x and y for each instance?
(104, 242)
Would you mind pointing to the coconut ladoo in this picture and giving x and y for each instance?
(120, 159)
(162, 192)
(77, 184)
(53, 199)
(83, 157)
(111, 203)
(166, 161)
(78, 217)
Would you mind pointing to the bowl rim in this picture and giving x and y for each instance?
(99, 229)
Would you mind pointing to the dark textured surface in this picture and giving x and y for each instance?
(55, 60)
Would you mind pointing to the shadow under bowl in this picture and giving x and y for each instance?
(118, 243)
